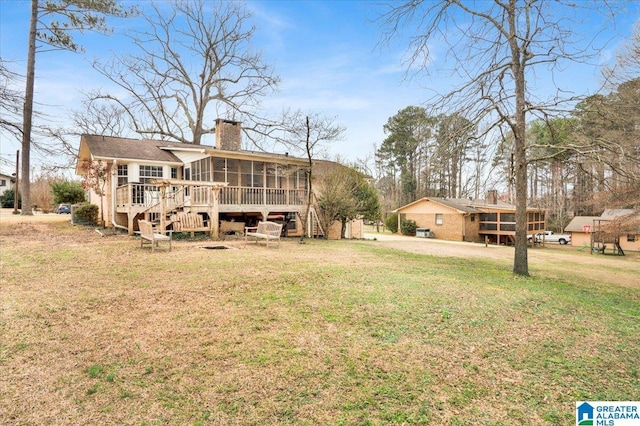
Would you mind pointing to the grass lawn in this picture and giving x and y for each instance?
(94, 330)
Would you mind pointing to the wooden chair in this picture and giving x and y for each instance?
(148, 235)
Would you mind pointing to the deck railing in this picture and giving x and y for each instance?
(236, 195)
(144, 195)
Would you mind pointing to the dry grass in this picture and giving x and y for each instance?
(97, 331)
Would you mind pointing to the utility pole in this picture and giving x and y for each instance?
(17, 185)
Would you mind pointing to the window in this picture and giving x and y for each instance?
(488, 217)
(3, 182)
(507, 217)
(631, 238)
(507, 226)
(150, 172)
(174, 173)
(123, 174)
(473, 217)
(438, 218)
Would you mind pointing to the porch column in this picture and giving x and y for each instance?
(214, 212)
(130, 217)
(265, 214)
(163, 208)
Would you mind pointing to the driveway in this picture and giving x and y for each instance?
(609, 269)
(441, 247)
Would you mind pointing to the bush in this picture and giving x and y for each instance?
(65, 192)
(7, 199)
(408, 227)
(86, 213)
(391, 222)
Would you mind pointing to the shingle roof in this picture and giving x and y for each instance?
(578, 222)
(462, 204)
(616, 213)
(158, 150)
(466, 205)
(147, 149)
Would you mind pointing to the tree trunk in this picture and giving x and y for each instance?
(518, 57)
(28, 113)
(305, 219)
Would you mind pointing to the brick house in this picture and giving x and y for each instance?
(461, 219)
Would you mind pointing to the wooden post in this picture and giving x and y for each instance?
(163, 208)
(214, 212)
(17, 184)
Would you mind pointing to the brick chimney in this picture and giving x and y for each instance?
(228, 135)
(492, 196)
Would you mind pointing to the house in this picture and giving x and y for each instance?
(580, 229)
(461, 219)
(615, 229)
(229, 187)
(6, 183)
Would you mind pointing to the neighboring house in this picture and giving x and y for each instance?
(461, 219)
(614, 229)
(228, 187)
(6, 183)
(581, 228)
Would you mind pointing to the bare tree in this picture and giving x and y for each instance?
(611, 130)
(101, 119)
(10, 101)
(196, 63)
(308, 135)
(344, 194)
(493, 49)
(607, 149)
(53, 23)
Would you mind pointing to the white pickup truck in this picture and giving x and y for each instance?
(550, 237)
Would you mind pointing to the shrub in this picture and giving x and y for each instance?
(86, 213)
(408, 227)
(65, 192)
(391, 222)
(7, 199)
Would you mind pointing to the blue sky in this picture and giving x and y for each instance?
(326, 53)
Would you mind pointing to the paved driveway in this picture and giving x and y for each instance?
(555, 259)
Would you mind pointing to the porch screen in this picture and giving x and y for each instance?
(258, 174)
(300, 178)
(233, 172)
(252, 173)
(201, 170)
(277, 175)
(219, 170)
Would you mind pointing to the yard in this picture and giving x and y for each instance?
(95, 330)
